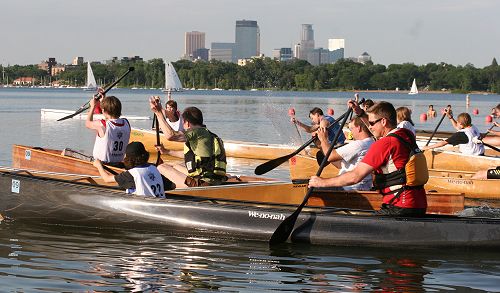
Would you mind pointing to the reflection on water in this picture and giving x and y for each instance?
(53, 258)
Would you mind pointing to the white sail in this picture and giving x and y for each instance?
(414, 89)
(172, 81)
(91, 83)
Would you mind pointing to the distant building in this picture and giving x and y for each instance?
(24, 81)
(131, 59)
(335, 44)
(77, 61)
(306, 41)
(55, 70)
(283, 54)
(192, 42)
(247, 39)
(223, 52)
(244, 62)
(201, 54)
(363, 58)
(47, 65)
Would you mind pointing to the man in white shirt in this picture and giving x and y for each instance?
(345, 158)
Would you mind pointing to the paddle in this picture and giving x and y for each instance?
(291, 113)
(286, 227)
(491, 146)
(86, 105)
(157, 128)
(440, 121)
(270, 165)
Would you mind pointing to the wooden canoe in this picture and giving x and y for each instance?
(51, 160)
(274, 193)
(237, 149)
(443, 180)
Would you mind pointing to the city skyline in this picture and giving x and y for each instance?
(452, 31)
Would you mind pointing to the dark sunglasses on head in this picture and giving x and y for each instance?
(374, 122)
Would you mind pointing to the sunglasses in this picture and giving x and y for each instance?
(374, 122)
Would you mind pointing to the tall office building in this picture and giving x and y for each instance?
(223, 52)
(192, 42)
(247, 39)
(336, 48)
(335, 44)
(306, 41)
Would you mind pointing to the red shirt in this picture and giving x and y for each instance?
(388, 154)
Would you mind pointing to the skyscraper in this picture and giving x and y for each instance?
(247, 39)
(192, 42)
(306, 41)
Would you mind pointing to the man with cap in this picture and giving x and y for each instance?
(141, 178)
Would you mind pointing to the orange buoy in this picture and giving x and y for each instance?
(291, 112)
(475, 111)
(488, 119)
(423, 117)
(330, 112)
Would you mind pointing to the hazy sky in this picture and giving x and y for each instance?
(391, 31)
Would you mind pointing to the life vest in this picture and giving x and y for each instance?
(413, 176)
(205, 156)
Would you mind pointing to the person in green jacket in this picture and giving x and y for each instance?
(204, 154)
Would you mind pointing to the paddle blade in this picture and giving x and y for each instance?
(74, 114)
(269, 165)
(284, 230)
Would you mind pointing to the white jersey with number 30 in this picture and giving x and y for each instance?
(111, 147)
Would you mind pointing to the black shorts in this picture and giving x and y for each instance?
(493, 173)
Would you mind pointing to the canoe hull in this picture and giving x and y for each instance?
(52, 201)
(237, 149)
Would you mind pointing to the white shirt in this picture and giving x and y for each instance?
(352, 153)
(148, 181)
(471, 148)
(111, 147)
(177, 125)
(407, 125)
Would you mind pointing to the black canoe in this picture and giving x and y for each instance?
(47, 200)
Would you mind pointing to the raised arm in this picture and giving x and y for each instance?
(168, 132)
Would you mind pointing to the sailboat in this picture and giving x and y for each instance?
(172, 81)
(91, 83)
(414, 89)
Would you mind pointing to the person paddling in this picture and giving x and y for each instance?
(204, 154)
(141, 178)
(318, 120)
(467, 136)
(112, 133)
(402, 190)
(170, 122)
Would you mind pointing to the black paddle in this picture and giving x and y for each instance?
(440, 121)
(491, 147)
(86, 105)
(158, 158)
(270, 165)
(286, 227)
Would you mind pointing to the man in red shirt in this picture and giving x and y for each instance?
(386, 155)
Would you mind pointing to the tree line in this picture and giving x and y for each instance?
(290, 75)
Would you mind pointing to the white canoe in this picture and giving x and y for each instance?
(54, 114)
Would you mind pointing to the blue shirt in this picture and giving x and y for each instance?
(332, 130)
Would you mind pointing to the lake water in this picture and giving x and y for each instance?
(38, 258)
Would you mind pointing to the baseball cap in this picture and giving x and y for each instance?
(135, 148)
